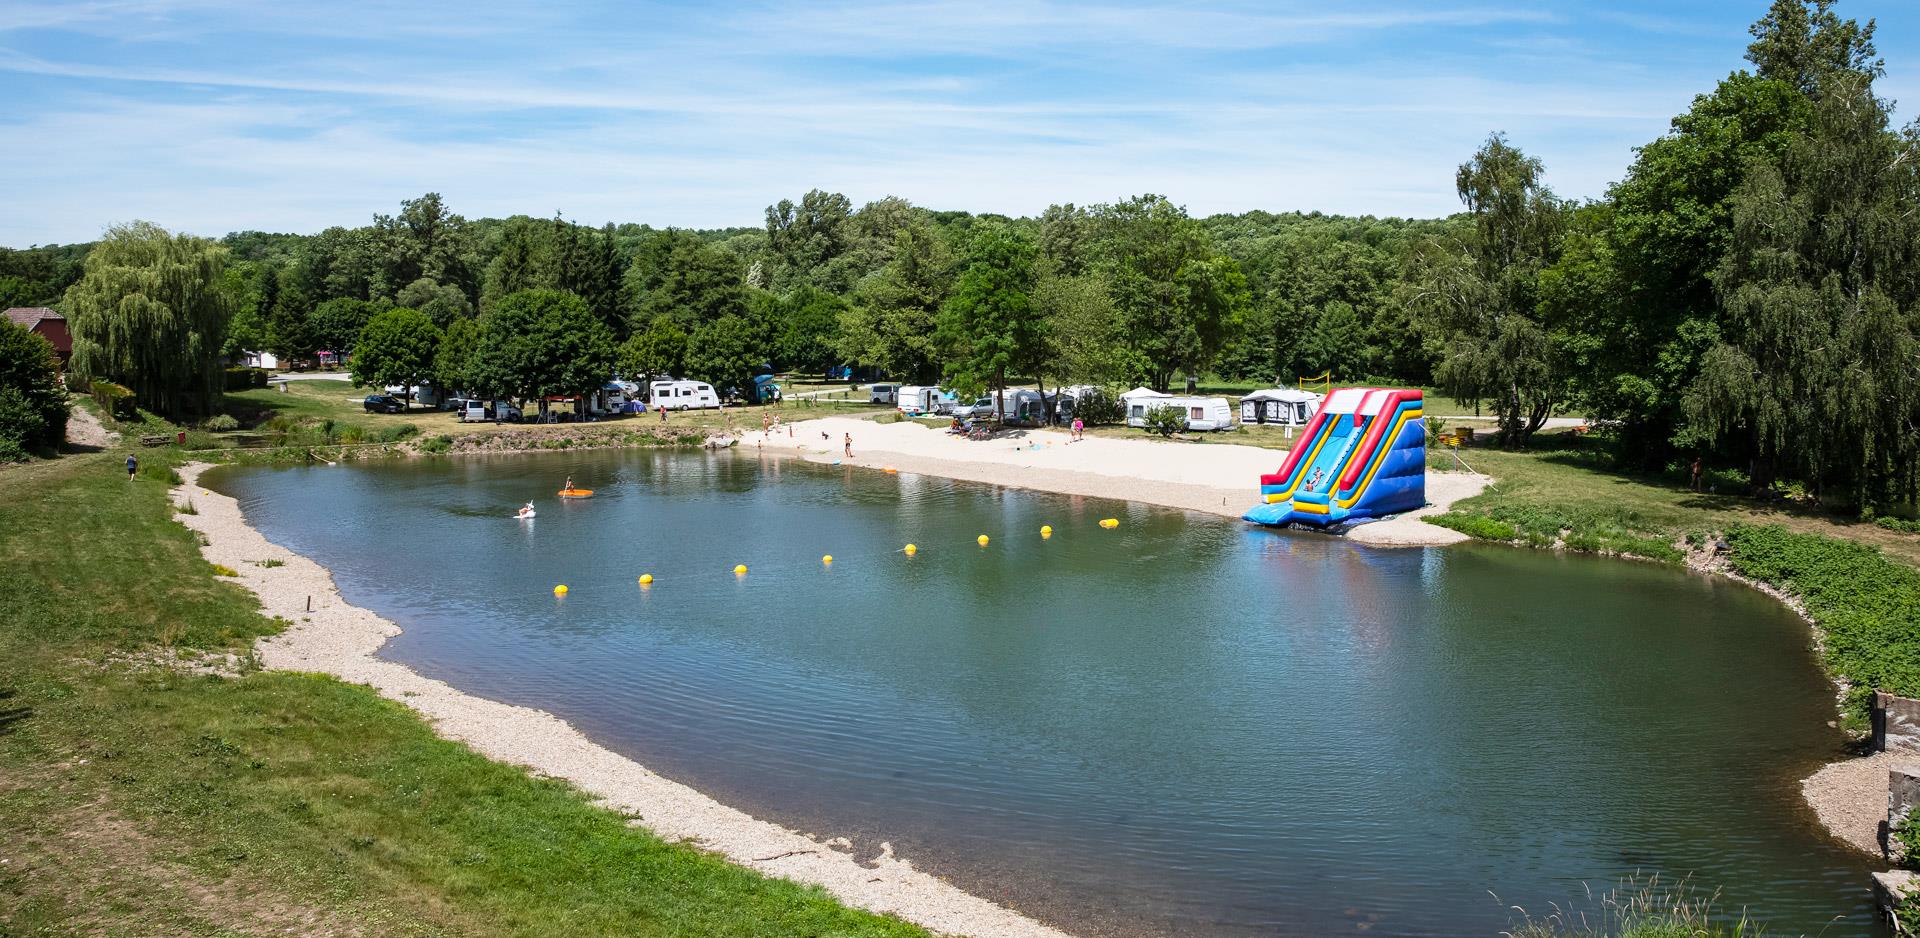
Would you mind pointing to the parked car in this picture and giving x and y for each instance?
(479, 411)
(507, 412)
(883, 393)
(383, 404)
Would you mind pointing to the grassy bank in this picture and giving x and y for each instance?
(140, 798)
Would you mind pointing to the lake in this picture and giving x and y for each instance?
(1180, 725)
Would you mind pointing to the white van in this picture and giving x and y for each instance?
(683, 395)
(883, 393)
(1203, 413)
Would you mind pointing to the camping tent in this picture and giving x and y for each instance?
(1283, 406)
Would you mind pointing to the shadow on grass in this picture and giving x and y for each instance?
(11, 715)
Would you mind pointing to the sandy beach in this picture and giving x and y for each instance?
(1220, 479)
(329, 636)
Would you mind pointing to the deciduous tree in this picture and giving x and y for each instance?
(150, 313)
(396, 347)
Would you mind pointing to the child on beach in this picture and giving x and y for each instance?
(1079, 429)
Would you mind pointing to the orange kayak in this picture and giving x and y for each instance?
(576, 493)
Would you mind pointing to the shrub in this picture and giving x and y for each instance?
(244, 379)
(33, 410)
(223, 423)
(1480, 526)
(1166, 421)
(437, 444)
(116, 401)
(393, 433)
(1902, 525)
(1100, 408)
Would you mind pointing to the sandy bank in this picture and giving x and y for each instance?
(336, 638)
(1214, 478)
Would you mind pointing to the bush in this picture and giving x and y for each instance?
(1101, 408)
(245, 379)
(1166, 421)
(33, 409)
(223, 423)
(1480, 526)
(1902, 525)
(438, 444)
(116, 401)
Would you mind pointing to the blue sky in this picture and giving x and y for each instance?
(217, 116)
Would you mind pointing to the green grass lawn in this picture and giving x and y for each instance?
(139, 799)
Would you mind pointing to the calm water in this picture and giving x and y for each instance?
(1182, 725)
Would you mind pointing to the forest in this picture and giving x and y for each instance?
(1746, 292)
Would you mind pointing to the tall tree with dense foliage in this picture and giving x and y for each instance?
(335, 325)
(1812, 377)
(522, 262)
(723, 352)
(657, 351)
(809, 330)
(894, 311)
(456, 363)
(1176, 296)
(544, 343)
(676, 274)
(1485, 292)
(150, 313)
(805, 239)
(396, 347)
(33, 407)
(989, 326)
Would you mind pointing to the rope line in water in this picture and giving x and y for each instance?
(649, 578)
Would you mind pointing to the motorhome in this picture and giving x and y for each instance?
(683, 395)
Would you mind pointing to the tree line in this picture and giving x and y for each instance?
(1745, 293)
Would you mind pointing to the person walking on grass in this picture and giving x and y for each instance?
(133, 466)
(1696, 473)
(663, 413)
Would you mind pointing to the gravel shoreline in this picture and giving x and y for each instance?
(327, 635)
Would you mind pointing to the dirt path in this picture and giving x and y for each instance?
(84, 431)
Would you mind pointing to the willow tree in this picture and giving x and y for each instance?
(1484, 290)
(1812, 377)
(150, 313)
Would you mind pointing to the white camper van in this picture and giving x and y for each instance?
(683, 395)
(1140, 400)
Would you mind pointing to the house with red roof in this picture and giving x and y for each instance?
(45, 323)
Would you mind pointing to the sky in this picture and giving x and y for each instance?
(212, 116)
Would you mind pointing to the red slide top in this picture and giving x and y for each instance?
(1298, 453)
(1390, 402)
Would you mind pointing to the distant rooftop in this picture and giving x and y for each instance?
(26, 316)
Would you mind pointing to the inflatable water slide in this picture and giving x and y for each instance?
(1363, 456)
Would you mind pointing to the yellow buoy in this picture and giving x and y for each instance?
(982, 539)
(739, 569)
(646, 579)
(560, 590)
(1046, 530)
(911, 550)
(827, 558)
(1109, 522)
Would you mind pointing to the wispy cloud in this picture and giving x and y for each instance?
(213, 116)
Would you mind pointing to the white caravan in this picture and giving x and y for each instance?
(1203, 413)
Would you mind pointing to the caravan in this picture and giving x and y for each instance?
(1203, 413)
(914, 400)
(683, 395)
(1140, 400)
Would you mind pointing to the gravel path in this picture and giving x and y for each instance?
(334, 637)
